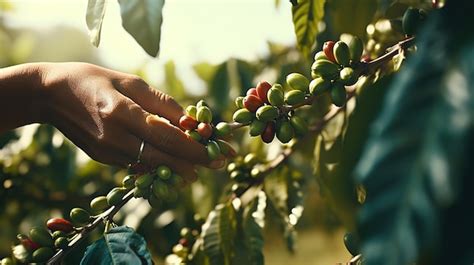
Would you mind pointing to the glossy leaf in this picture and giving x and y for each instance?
(120, 245)
(143, 19)
(94, 18)
(306, 16)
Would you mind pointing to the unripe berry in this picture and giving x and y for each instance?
(99, 204)
(128, 181)
(226, 148)
(326, 69)
(320, 55)
(294, 97)
(213, 150)
(204, 114)
(239, 102)
(269, 133)
(341, 53)
(61, 242)
(348, 77)
(252, 103)
(222, 129)
(252, 91)
(205, 130)
(284, 131)
(262, 90)
(298, 82)
(194, 135)
(275, 96)
(356, 48)
(256, 127)
(142, 193)
(114, 197)
(42, 254)
(187, 122)
(163, 172)
(338, 95)
(319, 85)
(243, 116)
(159, 189)
(328, 50)
(267, 113)
(299, 125)
(79, 216)
(201, 103)
(41, 236)
(191, 111)
(58, 234)
(144, 181)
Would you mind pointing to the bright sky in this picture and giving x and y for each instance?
(193, 30)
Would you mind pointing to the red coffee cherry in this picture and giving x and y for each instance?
(205, 130)
(252, 103)
(59, 224)
(269, 133)
(262, 90)
(184, 242)
(27, 242)
(188, 123)
(328, 50)
(252, 91)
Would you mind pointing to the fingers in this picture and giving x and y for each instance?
(150, 99)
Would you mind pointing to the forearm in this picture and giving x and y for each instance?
(21, 95)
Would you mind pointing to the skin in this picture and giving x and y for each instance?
(104, 112)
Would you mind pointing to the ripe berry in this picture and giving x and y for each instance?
(328, 50)
(59, 224)
(187, 122)
(252, 103)
(269, 133)
(262, 90)
(252, 91)
(27, 242)
(184, 242)
(205, 130)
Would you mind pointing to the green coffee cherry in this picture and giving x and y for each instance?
(204, 114)
(222, 129)
(163, 172)
(299, 125)
(297, 81)
(191, 111)
(267, 113)
(61, 242)
(294, 97)
(338, 95)
(356, 48)
(275, 96)
(319, 85)
(243, 116)
(325, 69)
(114, 197)
(7, 261)
(348, 77)
(213, 150)
(284, 131)
(154, 201)
(320, 56)
(239, 102)
(352, 244)
(141, 193)
(194, 135)
(144, 181)
(41, 236)
(341, 53)
(159, 189)
(99, 204)
(58, 234)
(128, 181)
(201, 103)
(79, 216)
(42, 254)
(177, 180)
(257, 127)
(250, 159)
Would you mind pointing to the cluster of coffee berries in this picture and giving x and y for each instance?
(265, 109)
(42, 243)
(243, 169)
(198, 125)
(187, 239)
(334, 68)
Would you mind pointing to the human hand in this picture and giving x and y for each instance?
(108, 114)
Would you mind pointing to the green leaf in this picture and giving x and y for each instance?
(218, 234)
(143, 19)
(306, 16)
(205, 70)
(350, 16)
(120, 245)
(416, 151)
(94, 17)
(253, 224)
(172, 82)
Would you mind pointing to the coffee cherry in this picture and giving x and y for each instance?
(141, 193)
(7, 261)
(41, 236)
(239, 102)
(299, 125)
(205, 130)
(159, 189)
(114, 197)
(319, 85)
(187, 122)
(269, 133)
(194, 135)
(61, 242)
(238, 176)
(294, 97)
(320, 55)
(262, 90)
(213, 150)
(226, 148)
(252, 103)
(128, 181)
(338, 95)
(222, 129)
(256, 127)
(325, 69)
(348, 77)
(58, 234)
(204, 114)
(341, 53)
(191, 111)
(27, 242)
(298, 82)
(201, 103)
(267, 113)
(243, 116)
(352, 244)
(99, 204)
(184, 242)
(252, 91)
(163, 172)
(411, 21)
(154, 201)
(356, 48)
(250, 159)
(328, 48)
(42, 254)
(59, 224)
(284, 131)
(275, 96)
(144, 181)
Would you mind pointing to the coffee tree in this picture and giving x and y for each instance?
(384, 115)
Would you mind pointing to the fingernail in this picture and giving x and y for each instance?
(217, 164)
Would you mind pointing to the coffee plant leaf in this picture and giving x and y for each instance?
(94, 18)
(306, 17)
(349, 16)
